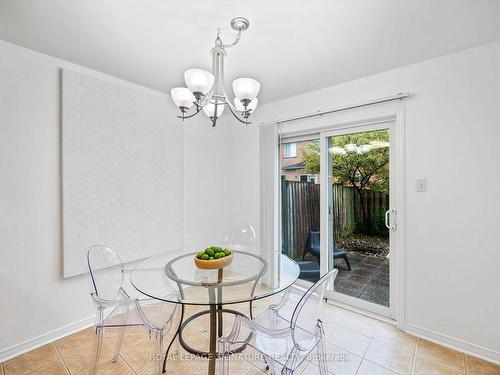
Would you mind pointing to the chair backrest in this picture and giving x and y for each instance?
(308, 311)
(246, 235)
(106, 272)
(314, 239)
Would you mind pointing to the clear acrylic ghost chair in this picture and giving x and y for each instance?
(245, 238)
(286, 334)
(116, 309)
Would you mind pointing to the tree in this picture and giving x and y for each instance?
(365, 167)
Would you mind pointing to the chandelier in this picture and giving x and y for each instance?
(206, 91)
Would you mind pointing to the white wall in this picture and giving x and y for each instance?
(452, 139)
(36, 300)
(37, 303)
(205, 180)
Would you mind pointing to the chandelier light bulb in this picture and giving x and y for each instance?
(183, 98)
(246, 89)
(199, 81)
(209, 109)
(250, 107)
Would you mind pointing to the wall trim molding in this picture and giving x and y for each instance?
(453, 343)
(46, 338)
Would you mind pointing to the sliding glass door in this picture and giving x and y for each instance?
(300, 204)
(358, 218)
(337, 211)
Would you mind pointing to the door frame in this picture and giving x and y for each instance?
(349, 119)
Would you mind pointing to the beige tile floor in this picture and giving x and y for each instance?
(356, 344)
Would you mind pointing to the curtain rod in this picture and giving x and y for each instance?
(399, 96)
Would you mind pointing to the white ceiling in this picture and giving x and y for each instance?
(292, 46)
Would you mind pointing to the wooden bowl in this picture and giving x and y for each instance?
(214, 263)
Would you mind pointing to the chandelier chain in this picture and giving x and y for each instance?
(220, 43)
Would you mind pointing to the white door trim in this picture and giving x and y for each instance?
(370, 115)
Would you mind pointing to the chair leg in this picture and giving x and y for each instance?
(118, 344)
(223, 360)
(321, 351)
(160, 353)
(271, 366)
(121, 334)
(347, 262)
(97, 351)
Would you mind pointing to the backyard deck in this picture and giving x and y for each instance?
(367, 280)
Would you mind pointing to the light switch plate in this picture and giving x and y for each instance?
(421, 185)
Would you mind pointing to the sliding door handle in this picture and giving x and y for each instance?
(391, 219)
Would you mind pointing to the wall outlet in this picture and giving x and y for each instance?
(421, 185)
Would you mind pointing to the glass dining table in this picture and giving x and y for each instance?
(174, 278)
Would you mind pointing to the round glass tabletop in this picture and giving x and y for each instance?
(174, 277)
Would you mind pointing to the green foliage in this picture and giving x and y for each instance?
(311, 158)
(378, 225)
(366, 169)
(363, 171)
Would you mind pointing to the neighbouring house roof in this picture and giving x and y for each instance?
(294, 167)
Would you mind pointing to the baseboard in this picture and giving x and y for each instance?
(360, 311)
(26, 346)
(452, 343)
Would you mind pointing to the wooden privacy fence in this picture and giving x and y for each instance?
(300, 212)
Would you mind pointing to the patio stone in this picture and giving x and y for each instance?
(348, 291)
(377, 294)
(366, 271)
(368, 279)
(373, 261)
(356, 277)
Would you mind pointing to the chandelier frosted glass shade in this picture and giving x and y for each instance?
(199, 80)
(250, 107)
(182, 97)
(209, 109)
(205, 91)
(246, 88)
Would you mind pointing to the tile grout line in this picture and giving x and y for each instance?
(439, 359)
(364, 354)
(62, 358)
(127, 364)
(371, 278)
(366, 359)
(190, 365)
(414, 357)
(42, 366)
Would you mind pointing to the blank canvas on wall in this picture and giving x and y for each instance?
(122, 171)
